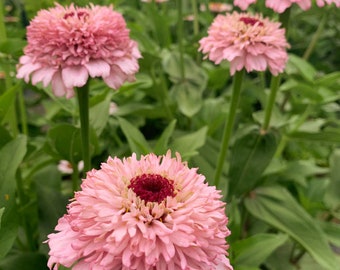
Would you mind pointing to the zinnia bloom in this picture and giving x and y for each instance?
(321, 3)
(152, 213)
(66, 45)
(246, 41)
(281, 5)
(216, 7)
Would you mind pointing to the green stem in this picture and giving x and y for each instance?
(75, 177)
(3, 35)
(316, 36)
(22, 111)
(83, 102)
(228, 128)
(195, 12)
(274, 86)
(180, 39)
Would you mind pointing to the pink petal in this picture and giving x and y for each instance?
(43, 75)
(98, 68)
(75, 76)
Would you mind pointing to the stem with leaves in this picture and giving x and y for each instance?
(228, 128)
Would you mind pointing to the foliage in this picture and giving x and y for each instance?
(282, 187)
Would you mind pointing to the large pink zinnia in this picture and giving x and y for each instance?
(66, 45)
(246, 41)
(152, 213)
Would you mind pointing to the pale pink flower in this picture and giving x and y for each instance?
(156, 1)
(282, 5)
(67, 45)
(216, 7)
(153, 213)
(113, 108)
(65, 167)
(243, 4)
(246, 41)
(321, 3)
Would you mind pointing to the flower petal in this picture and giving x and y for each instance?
(75, 76)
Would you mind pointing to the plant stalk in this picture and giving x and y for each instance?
(228, 128)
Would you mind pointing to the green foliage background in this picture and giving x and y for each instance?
(282, 188)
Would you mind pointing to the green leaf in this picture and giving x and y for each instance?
(329, 79)
(162, 143)
(250, 156)
(64, 141)
(277, 207)
(7, 100)
(332, 196)
(135, 138)
(99, 112)
(11, 155)
(255, 249)
(188, 97)
(300, 66)
(24, 261)
(322, 136)
(1, 212)
(188, 144)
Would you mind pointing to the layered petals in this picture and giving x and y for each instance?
(115, 222)
(246, 41)
(67, 45)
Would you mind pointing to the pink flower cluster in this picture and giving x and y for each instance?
(147, 214)
(67, 45)
(281, 5)
(246, 41)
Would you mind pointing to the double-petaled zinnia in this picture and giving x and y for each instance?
(246, 41)
(67, 45)
(280, 6)
(149, 213)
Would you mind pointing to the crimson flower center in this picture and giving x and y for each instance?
(152, 187)
(79, 14)
(251, 21)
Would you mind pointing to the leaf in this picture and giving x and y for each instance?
(250, 156)
(276, 206)
(162, 143)
(254, 250)
(332, 196)
(322, 136)
(7, 100)
(188, 144)
(188, 97)
(11, 155)
(135, 138)
(1, 212)
(329, 79)
(24, 261)
(298, 65)
(64, 141)
(99, 112)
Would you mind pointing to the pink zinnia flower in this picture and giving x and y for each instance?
(216, 7)
(243, 4)
(152, 213)
(66, 45)
(282, 5)
(246, 41)
(321, 3)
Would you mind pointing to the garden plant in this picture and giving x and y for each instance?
(170, 134)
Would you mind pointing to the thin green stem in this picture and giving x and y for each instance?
(180, 39)
(22, 111)
(83, 102)
(274, 86)
(195, 12)
(228, 128)
(3, 35)
(316, 36)
(75, 177)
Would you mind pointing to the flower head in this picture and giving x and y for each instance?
(282, 5)
(216, 7)
(246, 41)
(66, 45)
(65, 167)
(321, 3)
(152, 213)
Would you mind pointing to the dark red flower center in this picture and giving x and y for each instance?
(79, 14)
(152, 187)
(251, 21)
